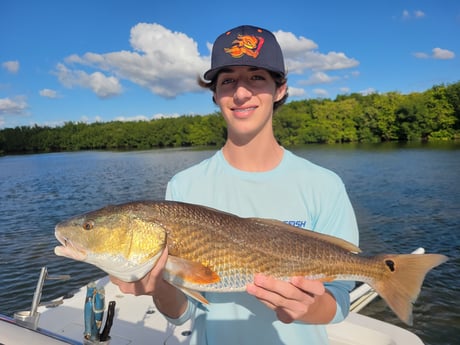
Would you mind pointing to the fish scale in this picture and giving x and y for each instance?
(254, 251)
(210, 250)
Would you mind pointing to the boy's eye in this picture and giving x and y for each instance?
(227, 81)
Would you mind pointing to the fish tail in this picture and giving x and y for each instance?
(402, 281)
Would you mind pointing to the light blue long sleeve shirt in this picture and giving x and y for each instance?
(297, 192)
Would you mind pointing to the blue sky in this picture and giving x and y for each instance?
(94, 60)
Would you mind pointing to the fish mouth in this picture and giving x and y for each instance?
(68, 248)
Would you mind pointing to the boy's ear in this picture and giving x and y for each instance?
(280, 92)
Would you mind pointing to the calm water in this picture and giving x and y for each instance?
(404, 197)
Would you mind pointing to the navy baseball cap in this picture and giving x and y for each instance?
(246, 46)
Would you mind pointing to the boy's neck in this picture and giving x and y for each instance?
(253, 156)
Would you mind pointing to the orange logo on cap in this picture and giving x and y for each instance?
(247, 44)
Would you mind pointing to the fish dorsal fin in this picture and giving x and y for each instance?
(309, 233)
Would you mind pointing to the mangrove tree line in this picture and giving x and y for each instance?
(430, 115)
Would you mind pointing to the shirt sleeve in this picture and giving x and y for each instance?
(341, 292)
(188, 314)
(169, 192)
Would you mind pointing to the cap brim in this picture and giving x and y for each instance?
(213, 72)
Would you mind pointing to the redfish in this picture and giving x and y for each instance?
(210, 250)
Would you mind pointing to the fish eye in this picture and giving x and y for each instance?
(89, 225)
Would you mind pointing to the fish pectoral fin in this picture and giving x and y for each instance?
(193, 294)
(192, 272)
(180, 272)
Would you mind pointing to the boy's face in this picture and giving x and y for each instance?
(245, 96)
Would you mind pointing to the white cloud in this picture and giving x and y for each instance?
(321, 93)
(300, 54)
(101, 85)
(291, 45)
(165, 62)
(48, 93)
(132, 118)
(296, 92)
(12, 107)
(87, 119)
(442, 54)
(15, 106)
(417, 14)
(11, 66)
(355, 73)
(319, 78)
(437, 53)
(421, 55)
(368, 91)
(164, 116)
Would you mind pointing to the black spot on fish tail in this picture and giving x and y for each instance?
(390, 264)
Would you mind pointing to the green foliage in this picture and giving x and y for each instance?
(430, 115)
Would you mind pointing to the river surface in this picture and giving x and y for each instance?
(405, 197)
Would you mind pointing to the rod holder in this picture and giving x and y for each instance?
(30, 318)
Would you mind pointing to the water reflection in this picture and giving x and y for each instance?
(404, 197)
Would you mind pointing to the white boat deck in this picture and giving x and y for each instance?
(138, 322)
